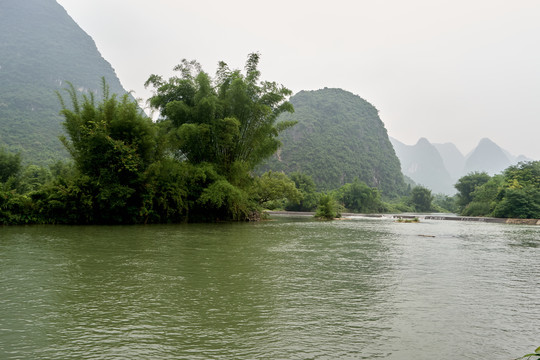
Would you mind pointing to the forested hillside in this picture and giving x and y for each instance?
(41, 48)
(338, 137)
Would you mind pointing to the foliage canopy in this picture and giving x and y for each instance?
(229, 121)
(10, 165)
(513, 194)
(421, 199)
(359, 197)
(221, 128)
(194, 164)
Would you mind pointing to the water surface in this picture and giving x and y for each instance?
(291, 288)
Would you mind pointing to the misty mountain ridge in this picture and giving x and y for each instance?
(424, 164)
(440, 173)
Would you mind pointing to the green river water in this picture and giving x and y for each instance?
(289, 288)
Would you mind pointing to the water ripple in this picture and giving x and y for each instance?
(284, 289)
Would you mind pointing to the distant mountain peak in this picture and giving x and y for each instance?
(423, 164)
(486, 144)
(488, 157)
(420, 164)
(487, 141)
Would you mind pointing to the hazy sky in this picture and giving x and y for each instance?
(451, 71)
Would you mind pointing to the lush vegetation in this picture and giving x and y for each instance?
(194, 164)
(222, 128)
(209, 156)
(360, 198)
(421, 199)
(127, 169)
(309, 198)
(327, 208)
(513, 194)
(338, 138)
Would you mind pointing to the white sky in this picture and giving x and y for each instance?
(451, 71)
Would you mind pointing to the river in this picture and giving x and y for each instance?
(289, 288)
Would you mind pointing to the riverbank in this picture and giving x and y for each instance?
(448, 217)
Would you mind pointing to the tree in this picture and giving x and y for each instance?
(33, 177)
(272, 186)
(327, 209)
(229, 121)
(194, 164)
(525, 173)
(359, 197)
(10, 165)
(15, 208)
(112, 144)
(521, 203)
(308, 191)
(513, 194)
(519, 194)
(421, 198)
(222, 127)
(445, 203)
(466, 185)
(484, 198)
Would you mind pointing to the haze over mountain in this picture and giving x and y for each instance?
(488, 157)
(423, 163)
(453, 159)
(339, 137)
(41, 47)
(439, 166)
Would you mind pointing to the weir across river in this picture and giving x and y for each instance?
(450, 217)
